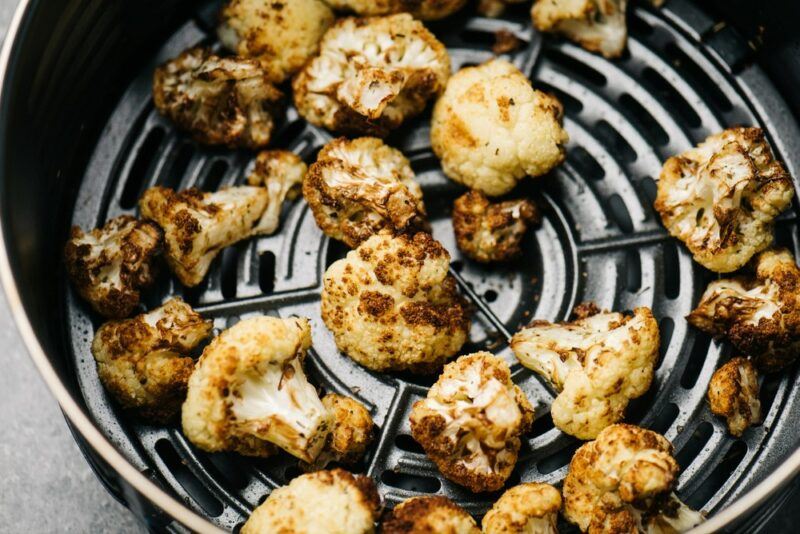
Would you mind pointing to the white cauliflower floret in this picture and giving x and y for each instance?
(145, 362)
(530, 508)
(335, 502)
(351, 432)
(197, 224)
(421, 9)
(393, 306)
(431, 514)
(371, 75)
(623, 482)
(357, 187)
(597, 363)
(596, 25)
(471, 422)
(220, 101)
(249, 391)
(110, 265)
(721, 197)
(490, 128)
(733, 394)
(281, 172)
(495, 8)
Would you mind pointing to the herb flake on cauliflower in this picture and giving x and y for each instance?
(528, 508)
(596, 25)
(431, 514)
(733, 394)
(281, 172)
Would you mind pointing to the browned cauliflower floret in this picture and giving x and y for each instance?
(721, 197)
(281, 35)
(334, 502)
(371, 75)
(144, 362)
(421, 9)
(110, 265)
(282, 173)
(197, 224)
(433, 514)
(359, 186)
(529, 508)
(495, 8)
(597, 363)
(596, 25)
(220, 101)
(471, 422)
(393, 306)
(759, 315)
(623, 482)
(488, 232)
(249, 392)
(351, 432)
(733, 394)
(490, 128)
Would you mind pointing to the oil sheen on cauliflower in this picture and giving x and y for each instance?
(420, 9)
(721, 197)
(281, 172)
(280, 35)
(371, 75)
(249, 392)
(758, 313)
(431, 514)
(197, 224)
(471, 422)
(351, 432)
(219, 101)
(596, 25)
(597, 363)
(110, 265)
(334, 502)
(490, 128)
(359, 186)
(733, 394)
(623, 482)
(393, 306)
(530, 508)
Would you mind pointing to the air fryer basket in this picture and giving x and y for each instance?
(95, 143)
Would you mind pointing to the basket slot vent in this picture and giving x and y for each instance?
(230, 271)
(576, 69)
(695, 445)
(407, 443)
(672, 277)
(664, 419)
(665, 328)
(216, 172)
(719, 475)
(421, 484)
(585, 164)
(542, 425)
(769, 389)
(176, 171)
(229, 468)
(142, 167)
(633, 271)
(696, 360)
(644, 121)
(698, 78)
(620, 213)
(266, 272)
(614, 142)
(671, 97)
(572, 106)
(478, 39)
(193, 486)
(558, 459)
(289, 474)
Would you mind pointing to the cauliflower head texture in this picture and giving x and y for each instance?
(529, 508)
(733, 394)
(596, 25)
(431, 514)
(281, 172)
(350, 435)
(490, 128)
(420, 9)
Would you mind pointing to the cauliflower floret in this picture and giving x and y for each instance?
(597, 363)
(596, 25)
(282, 173)
(433, 514)
(110, 265)
(421, 9)
(733, 394)
(490, 128)
(359, 186)
(249, 391)
(393, 306)
(623, 482)
(334, 501)
(530, 508)
(489, 232)
(759, 315)
(471, 422)
(351, 432)
(144, 361)
(495, 8)
(371, 75)
(220, 101)
(280, 35)
(721, 197)
(197, 224)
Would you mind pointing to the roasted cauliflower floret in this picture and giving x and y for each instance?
(110, 265)
(471, 422)
(335, 502)
(357, 187)
(219, 101)
(144, 361)
(597, 363)
(281, 172)
(490, 128)
(280, 35)
(623, 482)
(721, 197)
(759, 314)
(393, 306)
(197, 224)
(421, 9)
(351, 432)
(495, 8)
(249, 392)
(434, 514)
(488, 232)
(529, 508)
(733, 394)
(596, 25)
(371, 75)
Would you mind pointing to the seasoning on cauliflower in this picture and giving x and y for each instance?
(351, 432)
(471, 422)
(597, 363)
(144, 361)
(249, 392)
(431, 514)
(371, 75)
(495, 8)
(280, 35)
(334, 501)
(623, 482)
(420, 9)
(197, 224)
(488, 232)
(220, 101)
(733, 394)
(281, 172)
(721, 197)
(490, 128)
(759, 314)
(110, 265)
(359, 186)
(596, 25)
(393, 306)
(527, 508)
